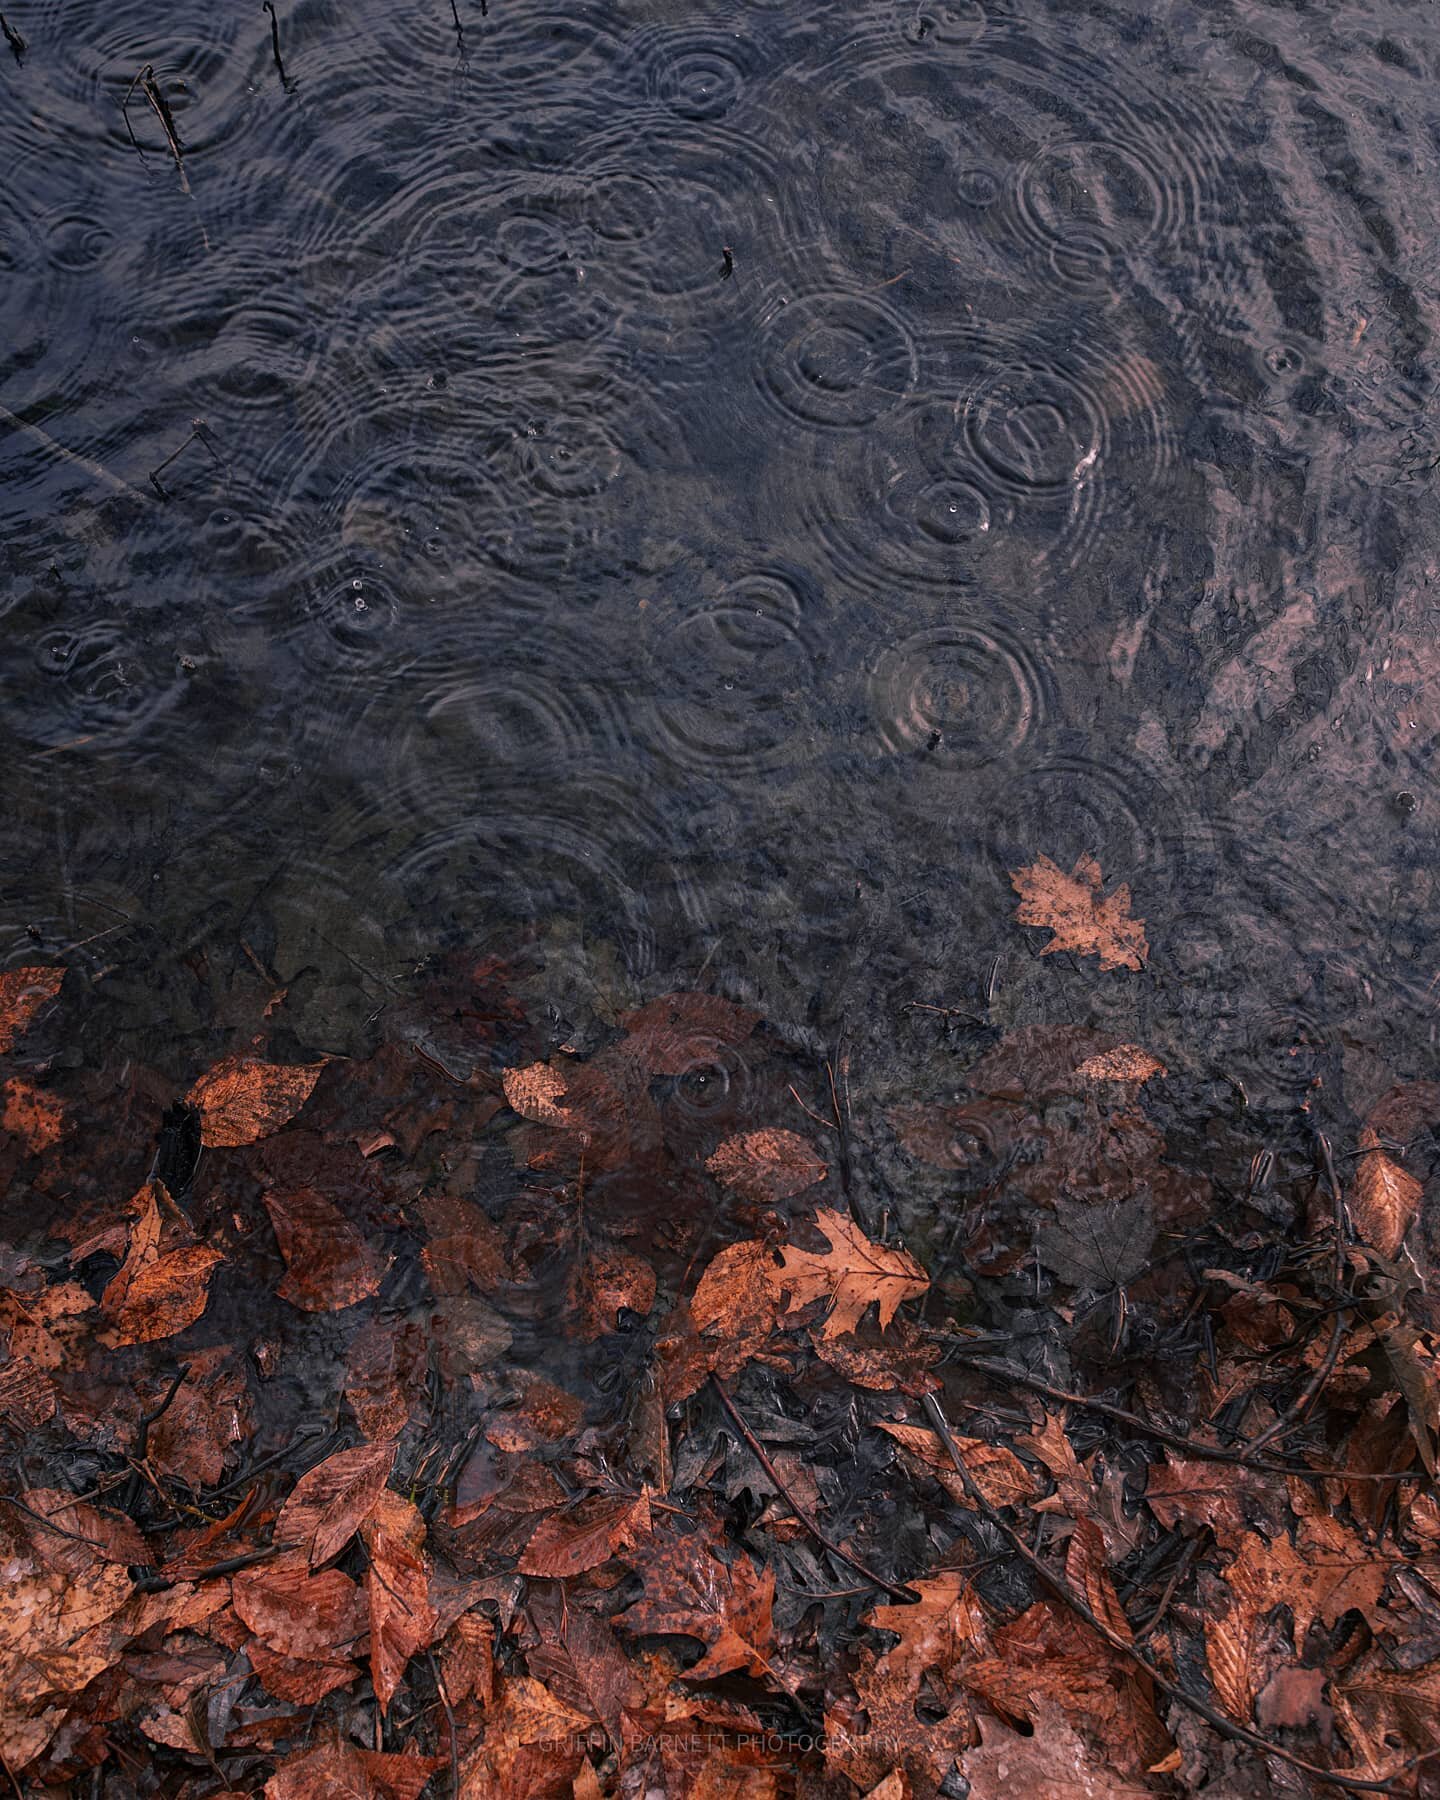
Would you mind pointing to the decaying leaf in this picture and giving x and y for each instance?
(330, 1502)
(22, 994)
(1126, 1062)
(849, 1276)
(397, 1590)
(166, 1295)
(537, 1092)
(1385, 1198)
(671, 1035)
(1100, 1246)
(566, 1544)
(242, 1100)
(314, 1618)
(1078, 916)
(1054, 1761)
(329, 1265)
(690, 1592)
(32, 1114)
(766, 1166)
(999, 1474)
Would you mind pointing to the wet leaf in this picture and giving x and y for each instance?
(385, 1377)
(766, 1166)
(166, 1295)
(242, 1100)
(531, 1739)
(33, 1116)
(537, 1092)
(607, 1279)
(933, 1633)
(690, 1592)
(22, 994)
(1054, 1761)
(586, 1535)
(397, 1591)
(1078, 915)
(672, 1035)
(736, 1295)
(1100, 1246)
(999, 1474)
(1385, 1198)
(1126, 1062)
(850, 1276)
(330, 1502)
(313, 1618)
(329, 1265)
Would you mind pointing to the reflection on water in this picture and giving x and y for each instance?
(715, 489)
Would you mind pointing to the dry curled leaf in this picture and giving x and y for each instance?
(1385, 1197)
(850, 1275)
(242, 1100)
(22, 993)
(1079, 916)
(766, 1166)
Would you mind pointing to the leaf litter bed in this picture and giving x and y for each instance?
(497, 1418)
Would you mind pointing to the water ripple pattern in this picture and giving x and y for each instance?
(710, 489)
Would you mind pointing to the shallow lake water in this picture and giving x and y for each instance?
(709, 490)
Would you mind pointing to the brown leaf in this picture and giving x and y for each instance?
(295, 1679)
(735, 1295)
(330, 1502)
(607, 1279)
(1126, 1062)
(850, 1275)
(32, 1115)
(209, 1414)
(1293, 1700)
(1328, 1572)
(586, 1535)
(672, 1035)
(166, 1295)
(384, 1377)
(934, 1633)
(328, 1264)
(579, 1659)
(242, 1100)
(1385, 1197)
(766, 1166)
(536, 1092)
(313, 1618)
(397, 1589)
(998, 1473)
(1079, 918)
(1225, 1497)
(690, 1592)
(1054, 1761)
(1086, 1573)
(22, 993)
(532, 1740)
(330, 1771)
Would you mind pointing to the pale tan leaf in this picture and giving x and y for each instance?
(850, 1275)
(1073, 908)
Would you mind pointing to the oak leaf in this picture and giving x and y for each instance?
(242, 1100)
(1079, 918)
(766, 1166)
(1385, 1198)
(851, 1274)
(933, 1633)
(328, 1264)
(22, 993)
(533, 1741)
(330, 1502)
(689, 1592)
(1054, 1761)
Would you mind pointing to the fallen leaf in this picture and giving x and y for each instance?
(314, 1618)
(999, 1474)
(690, 1592)
(532, 1741)
(1385, 1197)
(1053, 1761)
(1100, 1246)
(385, 1377)
(1293, 1700)
(22, 993)
(166, 1295)
(1126, 1062)
(607, 1280)
(242, 1100)
(672, 1035)
(850, 1275)
(586, 1535)
(330, 1502)
(933, 1633)
(32, 1115)
(1081, 920)
(208, 1415)
(735, 1295)
(397, 1591)
(328, 1264)
(766, 1166)
(536, 1092)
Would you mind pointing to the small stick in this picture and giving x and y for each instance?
(275, 43)
(890, 1587)
(459, 28)
(727, 267)
(198, 431)
(450, 1723)
(1061, 1588)
(13, 38)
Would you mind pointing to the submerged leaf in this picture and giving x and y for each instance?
(766, 1166)
(1079, 917)
(1385, 1199)
(242, 1100)
(22, 993)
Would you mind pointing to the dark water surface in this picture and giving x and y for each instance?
(1054, 472)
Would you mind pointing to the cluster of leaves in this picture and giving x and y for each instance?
(492, 1419)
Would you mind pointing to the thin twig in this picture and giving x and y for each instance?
(1004, 1371)
(275, 43)
(1183, 1562)
(1061, 1588)
(450, 1722)
(13, 38)
(805, 1518)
